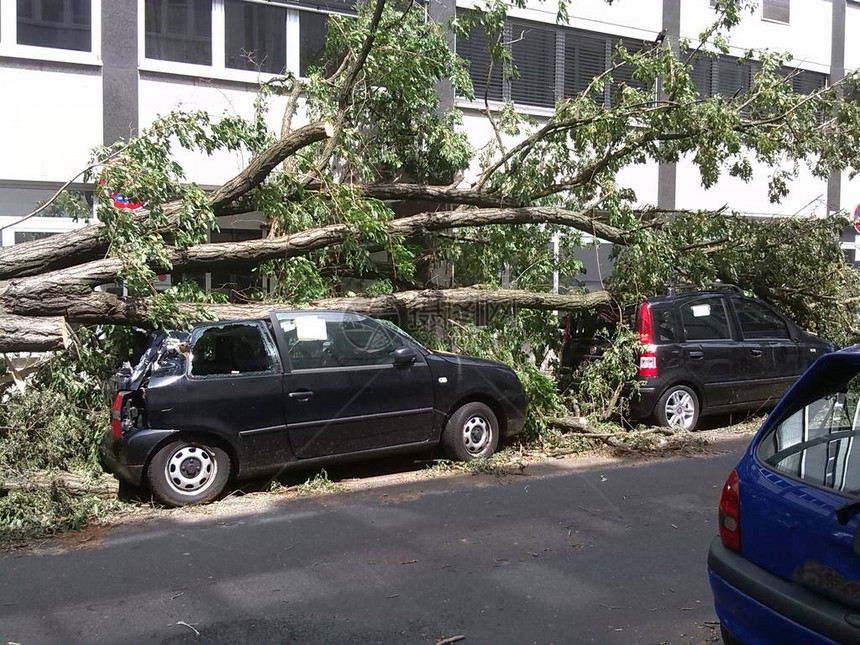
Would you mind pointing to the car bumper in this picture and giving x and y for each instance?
(126, 458)
(642, 405)
(515, 414)
(760, 608)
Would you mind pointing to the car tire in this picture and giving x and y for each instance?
(472, 432)
(679, 406)
(188, 471)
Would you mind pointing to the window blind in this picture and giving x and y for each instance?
(533, 51)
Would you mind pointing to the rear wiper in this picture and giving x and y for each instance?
(843, 512)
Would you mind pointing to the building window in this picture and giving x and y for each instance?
(733, 75)
(624, 74)
(312, 29)
(256, 37)
(533, 51)
(551, 62)
(776, 10)
(584, 58)
(702, 74)
(61, 24)
(485, 73)
(179, 30)
(29, 236)
(806, 82)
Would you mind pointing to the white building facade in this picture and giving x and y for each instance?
(77, 73)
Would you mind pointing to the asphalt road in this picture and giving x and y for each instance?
(606, 554)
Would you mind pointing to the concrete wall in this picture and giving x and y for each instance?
(163, 93)
(50, 117)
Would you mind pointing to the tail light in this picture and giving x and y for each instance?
(566, 330)
(730, 520)
(648, 353)
(116, 409)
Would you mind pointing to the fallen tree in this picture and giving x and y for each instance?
(330, 191)
(49, 333)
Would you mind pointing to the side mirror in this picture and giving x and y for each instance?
(404, 356)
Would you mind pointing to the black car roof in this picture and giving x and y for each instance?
(690, 295)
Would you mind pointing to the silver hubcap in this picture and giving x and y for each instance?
(680, 409)
(190, 470)
(476, 435)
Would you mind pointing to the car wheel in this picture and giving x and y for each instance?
(678, 407)
(471, 432)
(188, 471)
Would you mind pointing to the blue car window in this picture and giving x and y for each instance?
(818, 442)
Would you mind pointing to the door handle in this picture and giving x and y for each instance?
(755, 352)
(696, 355)
(301, 395)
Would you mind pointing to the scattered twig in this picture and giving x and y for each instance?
(452, 639)
(182, 622)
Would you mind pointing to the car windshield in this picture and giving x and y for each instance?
(816, 439)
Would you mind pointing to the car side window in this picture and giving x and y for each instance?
(705, 319)
(237, 348)
(664, 326)
(337, 340)
(758, 321)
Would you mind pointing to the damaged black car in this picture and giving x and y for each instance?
(243, 399)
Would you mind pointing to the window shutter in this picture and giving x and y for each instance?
(585, 56)
(533, 50)
(806, 82)
(702, 75)
(733, 77)
(776, 10)
(624, 74)
(474, 50)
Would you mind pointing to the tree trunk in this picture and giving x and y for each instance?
(105, 308)
(21, 334)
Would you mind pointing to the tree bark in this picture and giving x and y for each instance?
(106, 308)
(21, 334)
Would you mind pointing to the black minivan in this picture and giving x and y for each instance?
(250, 397)
(703, 352)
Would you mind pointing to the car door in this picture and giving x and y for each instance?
(772, 356)
(343, 391)
(711, 350)
(233, 388)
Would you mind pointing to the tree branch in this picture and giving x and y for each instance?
(88, 243)
(82, 278)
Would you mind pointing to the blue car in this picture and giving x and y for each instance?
(785, 569)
